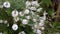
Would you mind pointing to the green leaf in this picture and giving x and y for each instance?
(18, 4)
(47, 2)
(3, 27)
(50, 11)
(31, 22)
(8, 11)
(5, 32)
(56, 24)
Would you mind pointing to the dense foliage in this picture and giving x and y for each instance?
(7, 19)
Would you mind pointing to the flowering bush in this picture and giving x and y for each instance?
(26, 17)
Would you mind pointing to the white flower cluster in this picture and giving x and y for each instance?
(27, 14)
(42, 20)
(39, 25)
(33, 5)
(15, 15)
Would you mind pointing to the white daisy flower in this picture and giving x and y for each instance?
(24, 21)
(39, 31)
(15, 27)
(28, 3)
(32, 8)
(26, 11)
(16, 19)
(6, 4)
(39, 9)
(23, 32)
(35, 3)
(21, 14)
(14, 13)
(28, 17)
(1, 21)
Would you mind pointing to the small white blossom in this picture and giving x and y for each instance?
(45, 13)
(34, 19)
(34, 30)
(21, 14)
(42, 28)
(35, 25)
(1, 33)
(41, 24)
(32, 13)
(15, 27)
(19, 33)
(6, 4)
(26, 11)
(24, 21)
(44, 17)
(28, 3)
(39, 31)
(35, 3)
(39, 9)
(41, 21)
(5, 22)
(8, 25)
(23, 32)
(16, 19)
(14, 13)
(32, 8)
(28, 17)
(32, 27)
(1, 21)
